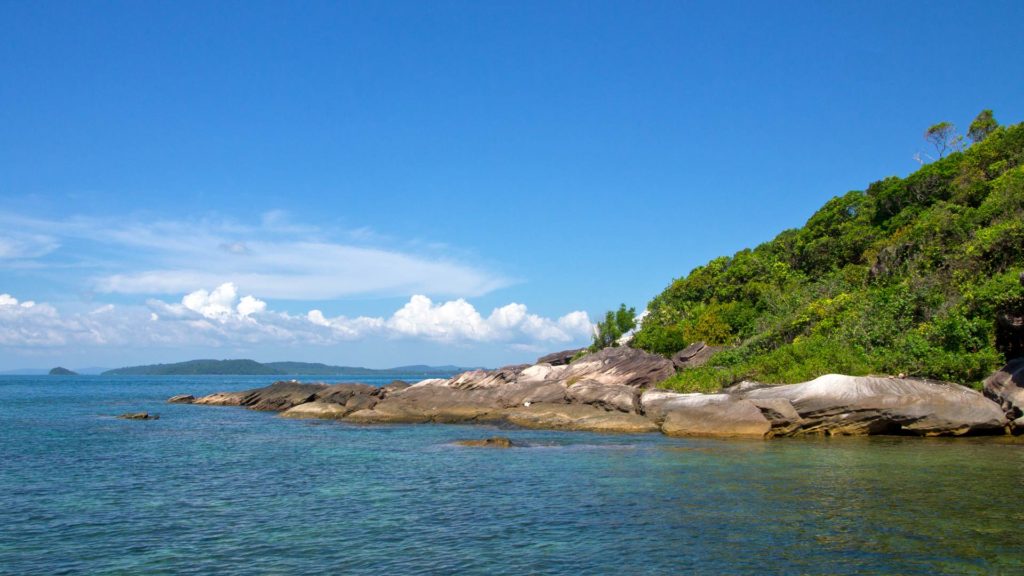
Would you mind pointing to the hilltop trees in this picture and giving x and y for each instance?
(944, 137)
(615, 325)
(982, 126)
(907, 276)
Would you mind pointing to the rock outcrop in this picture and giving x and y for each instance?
(139, 416)
(612, 391)
(694, 356)
(1006, 387)
(181, 399)
(493, 442)
(850, 405)
(559, 358)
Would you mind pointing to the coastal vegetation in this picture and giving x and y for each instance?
(905, 277)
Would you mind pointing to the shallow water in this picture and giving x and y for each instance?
(209, 490)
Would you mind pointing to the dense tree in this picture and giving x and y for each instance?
(615, 325)
(982, 126)
(908, 276)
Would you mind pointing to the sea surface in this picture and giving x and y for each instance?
(214, 490)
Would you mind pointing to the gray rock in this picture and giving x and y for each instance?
(139, 416)
(607, 396)
(621, 365)
(577, 417)
(1006, 387)
(493, 442)
(848, 405)
(181, 399)
(694, 356)
(559, 358)
(341, 393)
(718, 415)
(278, 396)
(317, 409)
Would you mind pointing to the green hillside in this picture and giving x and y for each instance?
(904, 277)
(197, 367)
(251, 367)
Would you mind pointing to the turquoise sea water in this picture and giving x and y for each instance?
(209, 490)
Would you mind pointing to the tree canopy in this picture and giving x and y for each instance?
(906, 276)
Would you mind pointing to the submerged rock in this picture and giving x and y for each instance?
(139, 416)
(493, 442)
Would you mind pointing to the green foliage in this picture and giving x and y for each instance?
(982, 126)
(616, 323)
(943, 136)
(905, 277)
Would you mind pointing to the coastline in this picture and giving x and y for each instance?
(614, 391)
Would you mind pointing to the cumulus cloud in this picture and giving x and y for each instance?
(220, 317)
(459, 321)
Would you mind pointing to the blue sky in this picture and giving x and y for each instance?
(436, 182)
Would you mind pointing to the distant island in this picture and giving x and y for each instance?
(61, 371)
(246, 367)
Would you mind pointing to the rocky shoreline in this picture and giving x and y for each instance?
(614, 391)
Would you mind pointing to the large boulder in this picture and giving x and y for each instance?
(850, 405)
(718, 415)
(694, 356)
(1006, 387)
(620, 365)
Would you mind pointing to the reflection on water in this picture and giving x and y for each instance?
(221, 490)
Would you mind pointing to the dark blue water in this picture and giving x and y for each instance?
(208, 490)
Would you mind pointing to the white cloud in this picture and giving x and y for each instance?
(275, 258)
(459, 321)
(15, 245)
(219, 317)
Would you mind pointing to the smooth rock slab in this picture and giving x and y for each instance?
(181, 399)
(317, 409)
(607, 396)
(718, 415)
(852, 405)
(277, 397)
(621, 365)
(577, 417)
